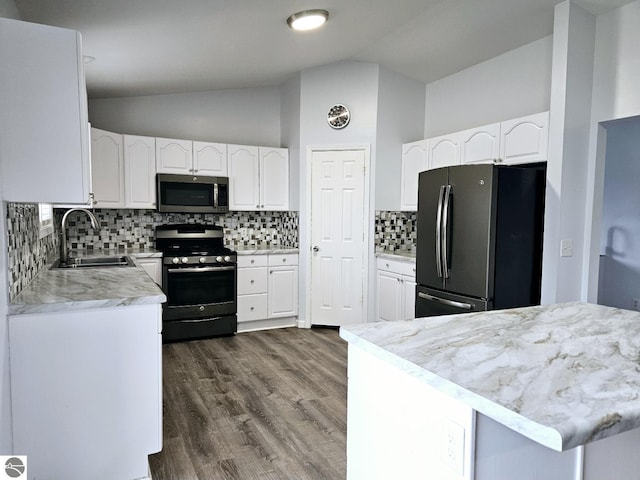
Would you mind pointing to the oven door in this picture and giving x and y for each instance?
(199, 291)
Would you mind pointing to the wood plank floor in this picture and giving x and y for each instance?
(260, 405)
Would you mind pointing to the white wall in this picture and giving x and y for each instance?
(290, 134)
(615, 95)
(400, 120)
(620, 238)
(508, 86)
(565, 211)
(354, 84)
(248, 116)
(7, 10)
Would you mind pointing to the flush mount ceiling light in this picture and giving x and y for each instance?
(308, 19)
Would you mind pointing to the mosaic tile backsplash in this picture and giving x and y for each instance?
(128, 228)
(27, 253)
(395, 230)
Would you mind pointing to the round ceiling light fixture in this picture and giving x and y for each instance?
(308, 19)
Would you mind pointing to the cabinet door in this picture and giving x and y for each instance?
(244, 189)
(252, 307)
(44, 135)
(107, 169)
(408, 298)
(210, 159)
(153, 267)
(252, 280)
(283, 291)
(389, 296)
(525, 139)
(274, 178)
(140, 171)
(414, 160)
(480, 145)
(444, 151)
(174, 156)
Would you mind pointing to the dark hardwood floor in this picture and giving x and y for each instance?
(260, 405)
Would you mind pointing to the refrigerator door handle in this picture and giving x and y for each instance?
(439, 232)
(451, 303)
(445, 226)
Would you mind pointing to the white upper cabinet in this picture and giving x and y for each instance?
(258, 178)
(210, 159)
(525, 139)
(140, 171)
(444, 151)
(244, 180)
(415, 158)
(480, 145)
(274, 178)
(174, 156)
(44, 135)
(107, 169)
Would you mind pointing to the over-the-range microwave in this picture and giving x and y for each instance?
(192, 193)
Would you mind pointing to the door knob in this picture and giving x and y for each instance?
(316, 249)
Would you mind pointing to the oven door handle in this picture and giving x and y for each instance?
(199, 269)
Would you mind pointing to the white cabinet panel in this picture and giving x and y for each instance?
(107, 169)
(409, 298)
(252, 307)
(396, 289)
(244, 181)
(252, 280)
(140, 171)
(281, 259)
(283, 291)
(480, 145)
(44, 134)
(274, 178)
(389, 296)
(210, 159)
(444, 151)
(525, 139)
(153, 267)
(174, 156)
(415, 159)
(253, 261)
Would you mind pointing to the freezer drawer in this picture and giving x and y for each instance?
(430, 302)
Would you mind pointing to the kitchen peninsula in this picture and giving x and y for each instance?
(549, 392)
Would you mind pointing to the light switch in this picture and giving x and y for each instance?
(566, 247)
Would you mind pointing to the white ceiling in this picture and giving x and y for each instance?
(145, 47)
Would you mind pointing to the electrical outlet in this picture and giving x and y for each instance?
(453, 445)
(635, 304)
(566, 247)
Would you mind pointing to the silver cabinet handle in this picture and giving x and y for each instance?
(439, 232)
(451, 303)
(445, 226)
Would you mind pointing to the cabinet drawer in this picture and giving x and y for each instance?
(279, 259)
(409, 269)
(252, 261)
(387, 265)
(252, 280)
(252, 307)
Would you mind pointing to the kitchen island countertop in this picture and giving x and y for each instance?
(562, 375)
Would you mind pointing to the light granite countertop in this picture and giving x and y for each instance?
(84, 288)
(260, 250)
(562, 375)
(403, 255)
(133, 252)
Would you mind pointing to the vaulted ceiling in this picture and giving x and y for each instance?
(145, 47)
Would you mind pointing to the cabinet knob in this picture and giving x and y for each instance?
(251, 309)
(252, 282)
(253, 261)
(257, 206)
(284, 260)
(270, 272)
(399, 280)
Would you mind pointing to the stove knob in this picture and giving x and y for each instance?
(218, 259)
(185, 260)
(227, 258)
(175, 260)
(202, 260)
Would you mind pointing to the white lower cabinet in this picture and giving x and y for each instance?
(396, 289)
(267, 291)
(86, 389)
(153, 267)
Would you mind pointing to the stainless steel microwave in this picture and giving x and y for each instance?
(192, 193)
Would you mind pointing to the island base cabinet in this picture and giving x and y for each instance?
(86, 392)
(399, 427)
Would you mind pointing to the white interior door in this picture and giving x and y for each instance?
(337, 237)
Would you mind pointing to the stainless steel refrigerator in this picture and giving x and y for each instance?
(479, 244)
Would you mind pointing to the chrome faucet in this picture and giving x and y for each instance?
(64, 253)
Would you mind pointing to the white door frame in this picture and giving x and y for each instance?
(305, 240)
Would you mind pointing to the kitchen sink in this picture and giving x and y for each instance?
(87, 262)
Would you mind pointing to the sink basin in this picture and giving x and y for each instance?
(87, 262)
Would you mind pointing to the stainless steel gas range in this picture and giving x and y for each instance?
(199, 278)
